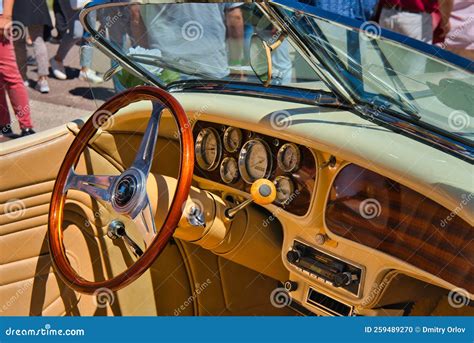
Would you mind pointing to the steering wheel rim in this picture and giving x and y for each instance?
(58, 198)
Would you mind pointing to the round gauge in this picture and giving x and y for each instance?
(289, 157)
(208, 149)
(285, 188)
(229, 170)
(255, 161)
(232, 139)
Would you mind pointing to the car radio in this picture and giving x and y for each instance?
(325, 268)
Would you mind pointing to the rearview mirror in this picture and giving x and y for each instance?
(261, 59)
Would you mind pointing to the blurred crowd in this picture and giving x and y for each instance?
(447, 23)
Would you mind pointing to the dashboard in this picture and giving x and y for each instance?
(236, 158)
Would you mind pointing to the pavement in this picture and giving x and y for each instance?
(68, 99)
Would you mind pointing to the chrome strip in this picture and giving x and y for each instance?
(281, 93)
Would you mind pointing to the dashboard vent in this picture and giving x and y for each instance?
(327, 304)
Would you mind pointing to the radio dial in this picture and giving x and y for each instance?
(343, 279)
(293, 256)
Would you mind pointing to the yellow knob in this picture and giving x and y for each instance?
(263, 192)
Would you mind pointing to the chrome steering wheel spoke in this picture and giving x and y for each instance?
(98, 187)
(144, 157)
(145, 223)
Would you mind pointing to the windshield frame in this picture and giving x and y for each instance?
(405, 124)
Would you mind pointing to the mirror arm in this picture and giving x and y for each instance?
(278, 42)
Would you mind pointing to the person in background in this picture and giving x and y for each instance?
(86, 56)
(460, 38)
(190, 31)
(414, 18)
(60, 23)
(33, 15)
(10, 78)
(72, 36)
(362, 10)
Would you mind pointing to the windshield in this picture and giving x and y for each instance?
(196, 41)
(389, 75)
(193, 42)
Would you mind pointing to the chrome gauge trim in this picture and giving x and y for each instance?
(281, 156)
(222, 171)
(291, 191)
(199, 149)
(243, 155)
(227, 138)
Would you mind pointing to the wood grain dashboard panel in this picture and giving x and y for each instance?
(304, 177)
(377, 212)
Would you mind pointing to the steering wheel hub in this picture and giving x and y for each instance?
(128, 192)
(125, 190)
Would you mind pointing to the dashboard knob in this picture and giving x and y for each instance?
(263, 192)
(293, 256)
(291, 286)
(342, 279)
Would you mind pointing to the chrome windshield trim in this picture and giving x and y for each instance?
(280, 93)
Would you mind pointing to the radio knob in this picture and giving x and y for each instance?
(291, 286)
(342, 279)
(293, 256)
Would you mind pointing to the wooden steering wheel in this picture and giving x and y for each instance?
(126, 193)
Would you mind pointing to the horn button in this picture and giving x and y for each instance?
(125, 190)
(128, 191)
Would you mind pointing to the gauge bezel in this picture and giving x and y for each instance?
(221, 170)
(280, 153)
(227, 137)
(292, 184)
(198, 149)
(243, 154)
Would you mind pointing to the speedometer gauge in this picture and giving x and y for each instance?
(229, 170)
(232, 139)
(285, 188)
(208, 149)
(289, 157)
(255, 160)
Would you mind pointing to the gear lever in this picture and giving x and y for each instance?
(262, 192)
